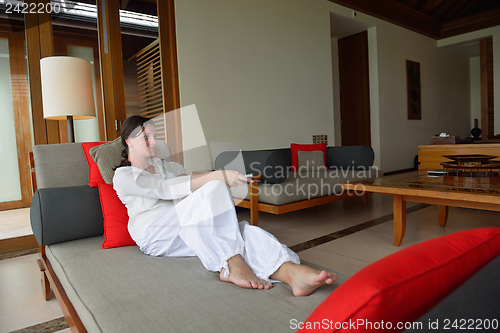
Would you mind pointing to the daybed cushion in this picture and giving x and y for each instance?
(345, 157)
(403, 286)
(295, 148)
(107, 157)
(310, 160)
(50, 172)
(271, 165)
(115, 219)
(63, 214)
(123, 290)
(95, 177)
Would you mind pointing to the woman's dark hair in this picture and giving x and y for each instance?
(132, 127)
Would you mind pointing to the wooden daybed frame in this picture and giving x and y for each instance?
(49, 277)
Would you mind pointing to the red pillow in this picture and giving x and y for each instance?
(295, 148)
(401, 287)
(95, 177)
(115, 218)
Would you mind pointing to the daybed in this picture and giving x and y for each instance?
(119, 289)
(122, 290)
(281, 189)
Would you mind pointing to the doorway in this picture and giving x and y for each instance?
(354, 90)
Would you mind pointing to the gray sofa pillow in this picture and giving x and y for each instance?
(107, 157)
(311, 160)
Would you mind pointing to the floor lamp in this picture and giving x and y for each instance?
(67, 91)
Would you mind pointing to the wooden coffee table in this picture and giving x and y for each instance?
(418, 186)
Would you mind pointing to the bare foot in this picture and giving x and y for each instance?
(241, 275)
(303, 279)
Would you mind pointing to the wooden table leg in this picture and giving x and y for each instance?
(366, 198)
(254, 203)
(443, 215)
(399, 207)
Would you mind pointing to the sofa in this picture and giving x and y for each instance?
(103, 286)
(283, 185)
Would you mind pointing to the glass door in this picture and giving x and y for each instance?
(15, 124)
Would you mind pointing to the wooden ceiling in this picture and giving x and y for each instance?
(434, 18)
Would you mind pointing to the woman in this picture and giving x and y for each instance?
(175, 214)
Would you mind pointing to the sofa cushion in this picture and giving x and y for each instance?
(271, 165)
(123, 290)
(95, 177)
(403, 286)
(115, 219)
(347, 157)
(295, 148)
(60, 165)
(107, 157)
(61, 214)
(310, 160)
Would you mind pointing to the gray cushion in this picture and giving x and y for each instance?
(62, 214)
(123, 290)
(343, 157)
(107, 157)
(310, 160)
(60, 165)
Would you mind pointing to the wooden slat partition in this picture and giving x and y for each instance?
(150, 90)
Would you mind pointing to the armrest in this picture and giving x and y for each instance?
(61, 214)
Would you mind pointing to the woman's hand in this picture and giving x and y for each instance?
(234, 178)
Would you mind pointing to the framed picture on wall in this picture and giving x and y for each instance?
(413, 89)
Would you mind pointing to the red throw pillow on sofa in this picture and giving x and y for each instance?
(402, 287)
(295, 148)
(95, 177)
(115, 218)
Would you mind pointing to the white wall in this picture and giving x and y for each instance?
(260, 74)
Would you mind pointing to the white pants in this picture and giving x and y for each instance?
(205, 225)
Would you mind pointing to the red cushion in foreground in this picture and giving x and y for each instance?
(95, 177)
(401, 287)
(295, 148)
(115, 218)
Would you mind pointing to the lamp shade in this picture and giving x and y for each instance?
(67, 88)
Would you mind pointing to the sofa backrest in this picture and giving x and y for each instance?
(60, 165)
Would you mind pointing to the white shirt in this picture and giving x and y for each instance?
(147, 195)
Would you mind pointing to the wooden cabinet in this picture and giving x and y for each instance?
(430, 156)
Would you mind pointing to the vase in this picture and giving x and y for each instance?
(476, 132)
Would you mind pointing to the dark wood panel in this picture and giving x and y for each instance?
(355, 90)
(110, 54)
(170, 76)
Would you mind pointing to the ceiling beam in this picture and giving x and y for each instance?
(471, 23)
(397, 13)
(444, 15)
